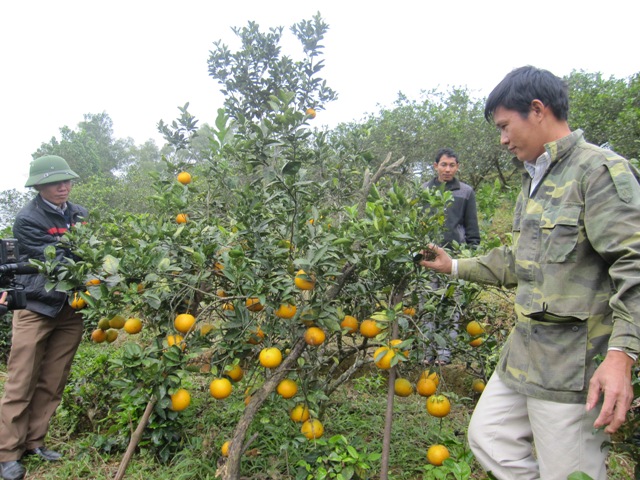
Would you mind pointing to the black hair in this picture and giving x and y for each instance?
(446, 152)
(522, 86)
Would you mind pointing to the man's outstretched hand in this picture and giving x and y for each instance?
(436, 258)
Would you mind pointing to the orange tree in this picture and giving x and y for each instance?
(262, 230)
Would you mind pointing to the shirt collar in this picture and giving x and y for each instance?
(55, 207)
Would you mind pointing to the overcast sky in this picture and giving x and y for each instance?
(138, 60)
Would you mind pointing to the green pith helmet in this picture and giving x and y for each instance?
(49, 169)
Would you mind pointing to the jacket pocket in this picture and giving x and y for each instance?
(559, 231)
(557, 354)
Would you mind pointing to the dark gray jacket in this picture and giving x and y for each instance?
(461, 216)
(37, 226)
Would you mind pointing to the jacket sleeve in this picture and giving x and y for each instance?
(612, 224)
(472, 231)
(33, 238)
(495, 268)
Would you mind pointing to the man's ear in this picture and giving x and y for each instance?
(537, 108)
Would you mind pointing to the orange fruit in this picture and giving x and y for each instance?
(93, 281)
(184, 178)
(206, 328)
(180, 400)
(175, 340)
(111, 335)
(104, 324)
(411, 311)
(314, 336)
(478, 385)
(117, 322)
(270, 357)
(228, 306)
(299, 413)
(308, 316)
(221, 293)
(402, 387)
(397, 341)
(133, 325)
(438, 406)
(253, 304)
(312, 429)
(426, 387)
(98, 335)
(287, 388)
(311, 112)
(304, 281)
(181, 218)
(184, 322)
(369, 328)
(431, 375)
(475, 328)
(224, 450)
(383, 356)
(286, 311)
(78, 303)
(256, 337)
(350, 324)
(476, 342)
(235, 373)
(437, 454)
(220, 388)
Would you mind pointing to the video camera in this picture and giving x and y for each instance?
(9, 267)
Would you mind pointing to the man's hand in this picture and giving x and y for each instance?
(442, 261)
(613, 378)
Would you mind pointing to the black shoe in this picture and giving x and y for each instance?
(45, 454)
(12, 470)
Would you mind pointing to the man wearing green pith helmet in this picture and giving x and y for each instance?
(47, 332)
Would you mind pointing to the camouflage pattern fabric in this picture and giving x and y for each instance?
(575, 263)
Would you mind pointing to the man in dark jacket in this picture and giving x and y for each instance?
(47, 333)
(461, 216)
(461, 226)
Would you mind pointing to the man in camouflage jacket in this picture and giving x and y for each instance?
(575, 263)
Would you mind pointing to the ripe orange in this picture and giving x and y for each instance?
(206, 328)
(299, 413)
(93, 281)
(437, 454)
(224, 450)
(312, 429)
(111, 335)
(369, 328)
(314, 336)
(98, 335)
(184, 178)
(411, 311)
(184, 322)
(476, 342)
(287, 388)
(235, 373)
(253, 304)
(397, 341)
(221, 293)
(270, 357)
(220, 388)
(304, 281)
(175, 340)
(133, 325)
(228, 306)
(181, 218)
(256, 336)
(431, 375)
(475, 328)
(78, 303)
(438, 406)
(286, 311)
(403, 387)
(180, 400)
(117, 322)
(350, 324)
(478, 385)
(311, 112)
(383, 356)
(426, 387)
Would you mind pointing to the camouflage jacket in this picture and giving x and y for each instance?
(575, 263)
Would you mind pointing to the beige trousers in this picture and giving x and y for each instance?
(505, 426)
(42, 350)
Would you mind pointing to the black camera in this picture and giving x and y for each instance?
(9, 267)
